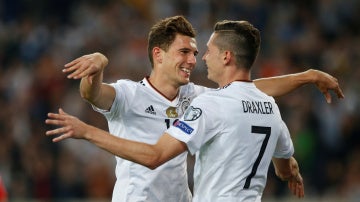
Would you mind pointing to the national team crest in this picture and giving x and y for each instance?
(183, 104)
(192, 114)
(171, 112)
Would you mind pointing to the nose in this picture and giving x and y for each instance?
(204, 56)
(192, 59)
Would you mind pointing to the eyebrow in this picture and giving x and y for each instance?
(188, 49)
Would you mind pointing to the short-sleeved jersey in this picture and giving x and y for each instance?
(234, 131)
(139, 112)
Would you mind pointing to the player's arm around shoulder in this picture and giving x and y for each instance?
(149, 155)
(281, 85)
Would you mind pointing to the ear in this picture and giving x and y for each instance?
(157, 56)
(227, 57)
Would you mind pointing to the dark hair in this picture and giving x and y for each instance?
(239, 37)
(163, 33)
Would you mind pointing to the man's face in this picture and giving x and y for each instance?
(179, 61)
(213, 59)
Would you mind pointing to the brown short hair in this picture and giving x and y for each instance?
(239, 37)
(163, 33)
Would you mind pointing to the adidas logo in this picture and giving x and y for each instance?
(150, 110)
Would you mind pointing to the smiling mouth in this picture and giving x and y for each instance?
(187, 71)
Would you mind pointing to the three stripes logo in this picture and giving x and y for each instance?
(150, 110)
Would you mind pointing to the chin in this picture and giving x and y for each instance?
(187, 81)
(184, 82)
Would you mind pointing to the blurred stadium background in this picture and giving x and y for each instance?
(38, 37)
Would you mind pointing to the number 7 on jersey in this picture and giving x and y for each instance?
(258, 130)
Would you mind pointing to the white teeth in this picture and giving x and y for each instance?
(185, 70)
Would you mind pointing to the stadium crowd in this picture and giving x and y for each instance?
(38, 37)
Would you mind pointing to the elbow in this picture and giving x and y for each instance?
(153, 163)
(86, 96)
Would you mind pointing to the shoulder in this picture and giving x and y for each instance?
(127, 83)
(192, 88)
(249, 89)
(127, 88)
(211, 97)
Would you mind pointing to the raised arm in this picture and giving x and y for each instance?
(147, 155)
(281, 85)
(89, 68)
(288, 170)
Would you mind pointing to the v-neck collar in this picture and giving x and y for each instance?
(148, 84)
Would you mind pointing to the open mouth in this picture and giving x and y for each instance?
(186, 71)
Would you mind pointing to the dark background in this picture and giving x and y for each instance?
(37, 37)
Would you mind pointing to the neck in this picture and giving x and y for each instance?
(163, 86)
(234, 76)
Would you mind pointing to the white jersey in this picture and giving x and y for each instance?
(139, 112)
(234, 131)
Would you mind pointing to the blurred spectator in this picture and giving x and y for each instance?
(3, 193)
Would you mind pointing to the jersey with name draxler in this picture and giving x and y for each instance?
(234, 131)
(139, 112)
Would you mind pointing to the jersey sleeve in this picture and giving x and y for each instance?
(284, 147)
(124, 89)
(198, 125)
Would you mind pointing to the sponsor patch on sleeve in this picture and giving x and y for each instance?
(184, 127)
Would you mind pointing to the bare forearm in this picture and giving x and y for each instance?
(90, 87)
(288, 170)
(71, 127)
(281, 85)
(282, 168)
(148, 155)
(137, 152)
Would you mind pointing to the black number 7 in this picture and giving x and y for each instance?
(259, 130)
